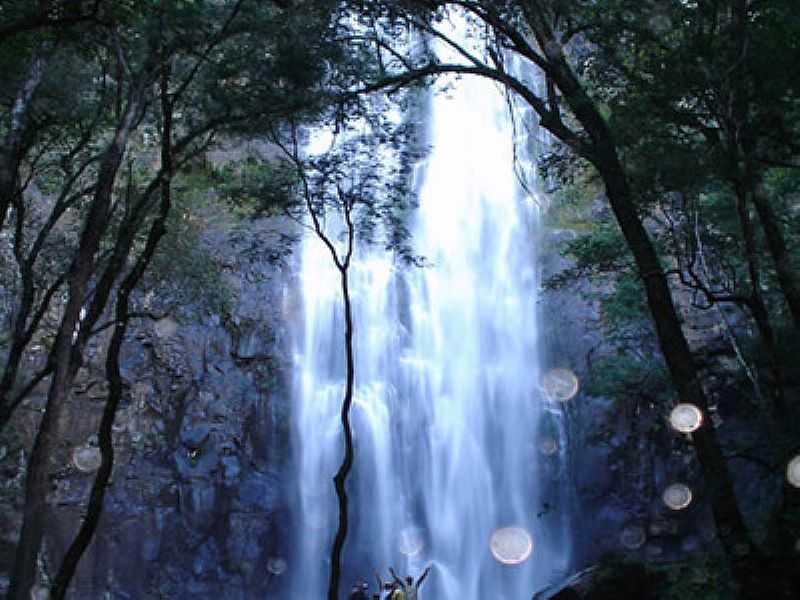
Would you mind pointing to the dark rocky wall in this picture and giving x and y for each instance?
(622, 455)
(196, 507)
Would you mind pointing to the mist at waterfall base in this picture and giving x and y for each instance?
(448, 417)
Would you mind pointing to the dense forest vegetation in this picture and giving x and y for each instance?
(680, 116)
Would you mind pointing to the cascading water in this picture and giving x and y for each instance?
(448, 410)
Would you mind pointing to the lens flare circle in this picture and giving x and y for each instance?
(686, 418)
(633, 537)
(660, 24)
(411, 541)
(560, 384)
(86, 458)
(793, 471)
(677, 496)
(511, 545)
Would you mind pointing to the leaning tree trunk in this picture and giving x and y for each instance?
(48, 453)
(69, 563)
(732, 532)
(86, 532)
(677, 354)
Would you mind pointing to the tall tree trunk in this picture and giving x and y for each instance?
(88, 527)
(675, 349)
(733, 534)
(48, 453)
(342, 263)
(347, 461)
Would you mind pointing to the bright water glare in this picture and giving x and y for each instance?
(448, 411)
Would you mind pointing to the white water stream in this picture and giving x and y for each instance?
(448, 409)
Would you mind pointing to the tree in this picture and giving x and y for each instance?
(352, 194)
(344, 202)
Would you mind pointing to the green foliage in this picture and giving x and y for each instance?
(256, 188)
(576, 185)
(601, 253)
(630, 378)
(183, 268)
(570, 205)
(627, 302)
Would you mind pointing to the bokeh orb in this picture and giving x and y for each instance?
(548, 446)
(87, 458)
(661, 24)
(633, 537)
(560, 384)
(793, 471)
(276, 565)
(686, 418)
(677, 496)
(511, 545)
(411, 541)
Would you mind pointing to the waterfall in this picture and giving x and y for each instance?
(449, 415)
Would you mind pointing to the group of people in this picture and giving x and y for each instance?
(394, 589)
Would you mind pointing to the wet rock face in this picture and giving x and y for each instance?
(196, 506)
(622, 454)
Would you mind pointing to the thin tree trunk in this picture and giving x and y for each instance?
(758, 306)
(342, 264)
(48, 453)
(347, 461)
(88, 527)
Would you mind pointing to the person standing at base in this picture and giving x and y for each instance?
(398, 593)
(409, 588)
(388, 587)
